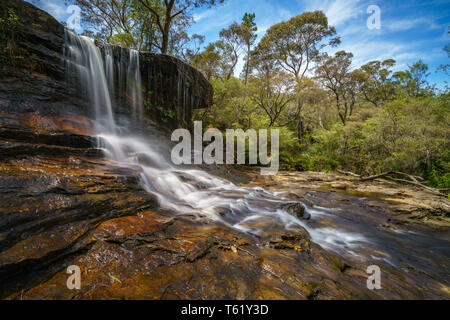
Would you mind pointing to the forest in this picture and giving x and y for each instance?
(331, 115)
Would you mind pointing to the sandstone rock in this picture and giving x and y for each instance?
(339, 186)
(128, 227)
(297, 210)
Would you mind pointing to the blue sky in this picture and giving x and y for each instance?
(410, 30)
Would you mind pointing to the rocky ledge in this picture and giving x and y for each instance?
(96, 216)
(403, 204)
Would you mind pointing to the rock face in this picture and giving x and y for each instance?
(170, 84)
(407, 205)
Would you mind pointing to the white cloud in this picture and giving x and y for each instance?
(216, 23)
(54, 7)
(337, 11)
(403, 25)
(366, 50)
(205, 14)
(284, 14)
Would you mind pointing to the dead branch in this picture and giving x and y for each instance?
(382, 175)
(413, 180)
(347, 173)
(413, 183)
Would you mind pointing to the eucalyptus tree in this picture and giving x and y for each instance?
(214, 61)
(297, 43)
(120, 22)
(308, 112)
(249, 36)
(295, 46)
(240, 38)
(377, 85)
(336, 75)
(233, 39)
(413, 81)
(271, 88)
(152, 25)
(168, 12)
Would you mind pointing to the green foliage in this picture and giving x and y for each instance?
(412, 82)
(295, 53)
(10, 53)
(368, 120)
(249, 21)
(123, 22)
(334, 73)
(149, 25)
(232, 107)
(163, 113)
(407, 134)
(377, 86)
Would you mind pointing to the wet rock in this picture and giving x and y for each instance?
(50, 208)
(191, 261)
(340, 186)
(404, 203)
(173, 88)
(62, 139)
(297, 210)
(58, 194)
(130, 227)
(290, 241)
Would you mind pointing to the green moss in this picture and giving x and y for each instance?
(12, 55)
(165, 114)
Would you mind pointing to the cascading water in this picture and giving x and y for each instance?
(84, 60)
(184, 192)
(109, 59)
(134, 85)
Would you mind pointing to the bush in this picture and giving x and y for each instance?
(10, 53)
(408, 134)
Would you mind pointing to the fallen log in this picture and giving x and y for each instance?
(414, 180)
(347, 173)
(390, 173)
(413, 183)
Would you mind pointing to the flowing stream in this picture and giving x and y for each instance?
(199, 194)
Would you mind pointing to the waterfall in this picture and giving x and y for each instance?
(134, 87)
(181, 191)
(109, 59)
(83, 58)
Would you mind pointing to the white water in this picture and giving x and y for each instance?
(85, 60)
(182, 191)
(134, 86)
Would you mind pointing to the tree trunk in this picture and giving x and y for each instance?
(343, 118)
(300, 129)
(165, 41)
(166, 29)
(320, 121)
(247, 67)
